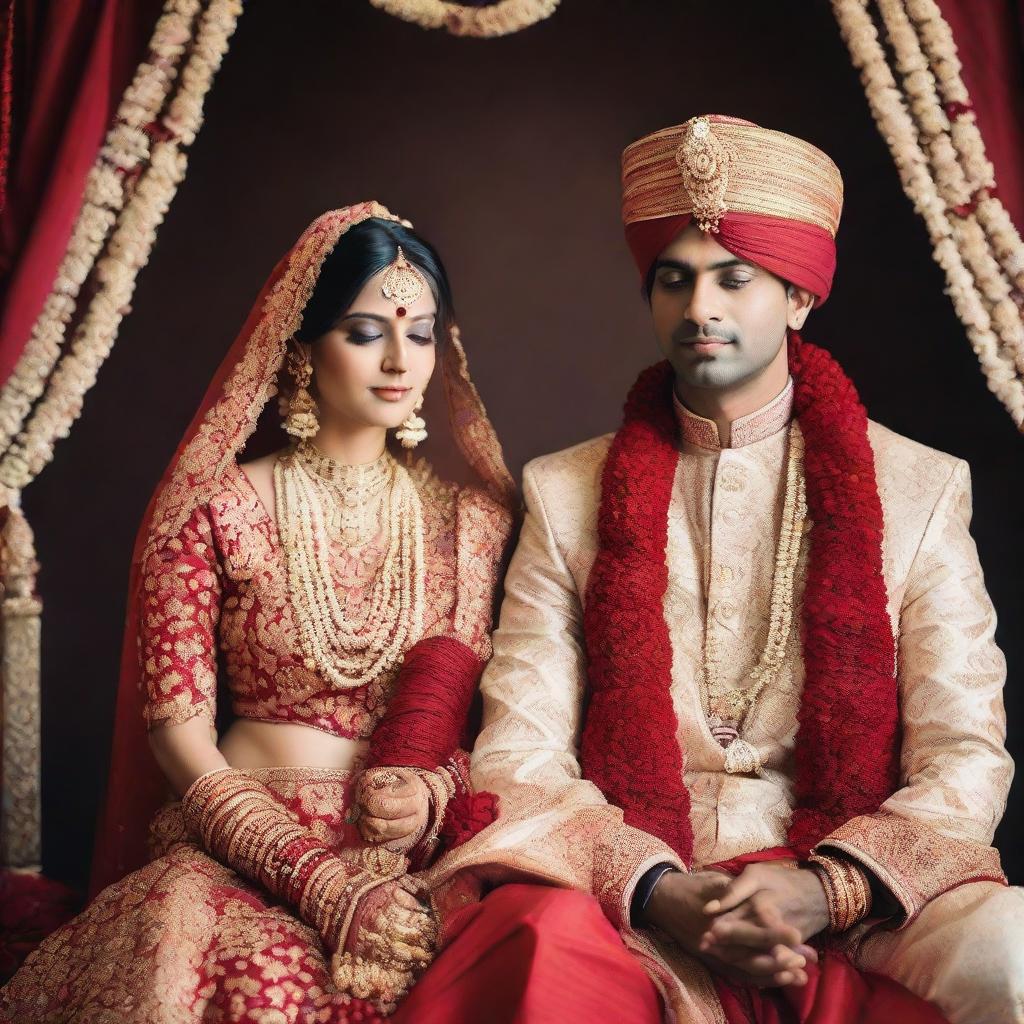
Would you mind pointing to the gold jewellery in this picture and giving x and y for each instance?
(414, 428)
(301, 421)
(728, 706)
(319, 501)
(847, 890)
(402, 284)
(704, 163)
(350, 494)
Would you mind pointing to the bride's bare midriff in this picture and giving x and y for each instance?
(249, 744)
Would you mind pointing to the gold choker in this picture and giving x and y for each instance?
(320, 502)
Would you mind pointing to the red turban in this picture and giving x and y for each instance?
(770, 198)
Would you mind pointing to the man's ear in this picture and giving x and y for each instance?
(799, 304)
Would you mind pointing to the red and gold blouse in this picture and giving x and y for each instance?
(220, 584)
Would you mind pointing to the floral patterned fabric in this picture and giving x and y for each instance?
(185, 938)
(220, 584)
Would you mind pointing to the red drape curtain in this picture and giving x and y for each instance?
(989, 37)
(71, 61)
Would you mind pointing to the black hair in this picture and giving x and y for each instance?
(648, 285)
(364, 250)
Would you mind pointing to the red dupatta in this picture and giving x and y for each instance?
(227, 417)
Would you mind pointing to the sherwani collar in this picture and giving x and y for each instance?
(756, 426)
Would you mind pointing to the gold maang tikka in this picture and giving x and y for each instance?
(402, 284)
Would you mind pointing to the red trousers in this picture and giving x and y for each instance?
(533, 954)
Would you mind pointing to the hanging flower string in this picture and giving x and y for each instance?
(963, 174)
(932, 133)
(483, 20)
(127, 194)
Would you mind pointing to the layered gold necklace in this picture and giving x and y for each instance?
(321, 503)
(728, 706)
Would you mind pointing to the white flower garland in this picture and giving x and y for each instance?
(946, 175)
(125, 147)
(114, 233)
(499, 19)
(959, 164)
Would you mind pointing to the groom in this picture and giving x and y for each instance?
(744, 692)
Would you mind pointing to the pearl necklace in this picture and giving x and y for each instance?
(728, 706)
(316, 497)
(353, 493)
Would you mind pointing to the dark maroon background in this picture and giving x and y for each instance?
(505, 153)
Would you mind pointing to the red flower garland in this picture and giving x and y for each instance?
(847, 746)
(466, 815)
(629, 748)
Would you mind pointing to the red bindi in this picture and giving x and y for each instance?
(400, 311)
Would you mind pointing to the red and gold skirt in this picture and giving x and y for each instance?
(187, 939)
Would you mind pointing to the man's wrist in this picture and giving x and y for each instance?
(846, 888)
(645, 890)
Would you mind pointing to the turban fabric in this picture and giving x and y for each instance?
(771, 199)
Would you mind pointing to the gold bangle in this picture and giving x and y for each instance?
(847, 891)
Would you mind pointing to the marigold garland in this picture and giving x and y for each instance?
(125, 147)
(932, 133)
(496, 19)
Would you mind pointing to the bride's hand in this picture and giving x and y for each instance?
(394, 807)
(395, 941)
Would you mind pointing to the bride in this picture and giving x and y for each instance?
(320, 585)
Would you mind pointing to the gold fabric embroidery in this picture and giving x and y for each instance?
(186, 939)
(703, 433)
(914, 862)
(729, 166)
(556, 827)
(219, 588)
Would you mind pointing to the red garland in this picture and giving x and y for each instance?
(466, 815)
(847, 746)
(848, 742)
(629, 748)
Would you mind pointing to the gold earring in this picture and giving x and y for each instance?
(301, 421)
(414, 428)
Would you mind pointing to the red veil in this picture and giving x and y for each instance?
(243, 385)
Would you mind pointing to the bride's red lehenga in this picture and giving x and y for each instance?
(176, 934)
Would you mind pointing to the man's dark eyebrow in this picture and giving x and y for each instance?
(686, 268)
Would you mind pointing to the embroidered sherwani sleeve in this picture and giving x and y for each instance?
(934, 832)
(553, 825)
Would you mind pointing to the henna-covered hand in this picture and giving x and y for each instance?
(395, 941)
(393, 806)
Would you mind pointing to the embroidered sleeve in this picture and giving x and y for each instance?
(179, 615)
(552, 825)
(935, 831)
(483, 528)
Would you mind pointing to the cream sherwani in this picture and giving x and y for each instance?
(957, 945)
